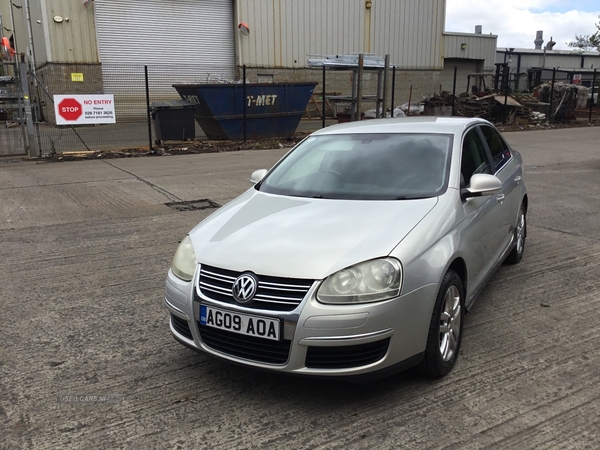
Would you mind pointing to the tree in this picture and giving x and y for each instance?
(586, 42)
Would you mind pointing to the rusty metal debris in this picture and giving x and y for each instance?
(515, 108)
(565, 98)
(488, 105)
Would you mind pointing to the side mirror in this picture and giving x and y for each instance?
(482, 184)
(258, 175)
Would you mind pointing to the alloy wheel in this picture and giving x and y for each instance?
(450, 323)
(520, 232)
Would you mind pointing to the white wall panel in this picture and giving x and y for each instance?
(591, 62)
(562, 61)
(478, 46)
(284, 32)
(72, 40)
(410, 31)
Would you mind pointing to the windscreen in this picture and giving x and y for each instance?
(364, 167)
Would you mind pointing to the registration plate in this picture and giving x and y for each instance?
(247, 324)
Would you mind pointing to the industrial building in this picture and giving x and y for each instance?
(272, 38)
(527, 68)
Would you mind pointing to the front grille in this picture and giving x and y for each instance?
(273, 294)
(247, 347)
(346, 357)
(182, 327)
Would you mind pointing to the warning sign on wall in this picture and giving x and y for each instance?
(84, 109)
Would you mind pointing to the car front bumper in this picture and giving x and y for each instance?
(317, 339)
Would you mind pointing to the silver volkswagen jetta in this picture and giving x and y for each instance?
(359, 252)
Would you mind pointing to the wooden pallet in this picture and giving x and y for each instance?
(315, 104)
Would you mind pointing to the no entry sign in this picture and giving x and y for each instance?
(84, 109)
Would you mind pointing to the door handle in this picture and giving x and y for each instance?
(518, 179)
(500, 197)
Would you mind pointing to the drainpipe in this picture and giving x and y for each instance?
(544, 58)
(551, 94)
(518, 72)
(385, 86)
(12, 25)
(361, 62)
(368, 6)
(29, 29)
(592, 99)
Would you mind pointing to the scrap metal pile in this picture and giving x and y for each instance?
(518, 108)
(488, 105)
(566, 97)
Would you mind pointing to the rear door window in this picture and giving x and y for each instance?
(498, 148)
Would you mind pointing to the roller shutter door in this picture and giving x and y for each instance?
(181, 41)
(167, 31)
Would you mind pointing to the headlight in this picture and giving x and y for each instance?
(184, 261)
(371, 281)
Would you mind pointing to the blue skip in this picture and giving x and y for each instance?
(272, 109)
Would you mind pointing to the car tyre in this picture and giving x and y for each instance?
(445, 330)
(516, 253)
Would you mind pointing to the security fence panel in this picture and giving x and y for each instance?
(127, 85)
(12, 125)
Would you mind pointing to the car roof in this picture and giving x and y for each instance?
(417, 124)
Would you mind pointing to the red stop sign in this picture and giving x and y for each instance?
(69, 109)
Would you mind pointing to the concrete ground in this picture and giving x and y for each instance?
(84, 250)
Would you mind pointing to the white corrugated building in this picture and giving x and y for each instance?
(529, 68)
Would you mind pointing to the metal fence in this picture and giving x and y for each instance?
(134, 87)
(12, 136)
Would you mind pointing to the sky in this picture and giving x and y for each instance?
(515, 22)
